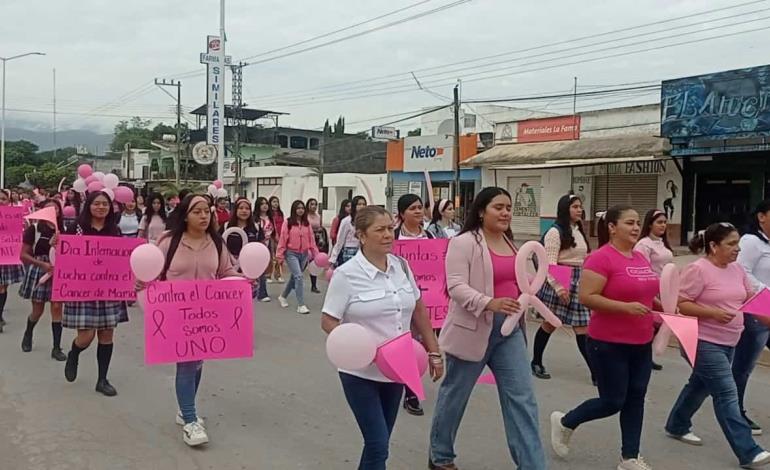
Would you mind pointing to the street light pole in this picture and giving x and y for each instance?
(2, 116)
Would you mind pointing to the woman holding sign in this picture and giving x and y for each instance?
(94, 318)
(619, 287)
(194, 250)
(481, 281)
(37, 241)
(10, 273)
(565, 244)
(297, 246)
(713, 289)
(377, 290)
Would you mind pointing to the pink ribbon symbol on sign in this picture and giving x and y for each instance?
(530, 288)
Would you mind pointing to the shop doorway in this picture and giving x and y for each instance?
(725, 197)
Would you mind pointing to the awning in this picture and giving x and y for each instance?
(571, 153)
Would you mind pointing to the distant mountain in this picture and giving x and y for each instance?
(96, 144)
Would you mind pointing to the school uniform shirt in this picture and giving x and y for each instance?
(755, 259)
(129, 224)
(656, 253)
(43, 246)
(573, 256)
(381, 302)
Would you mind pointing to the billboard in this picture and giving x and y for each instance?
(538, 130)
(431, 152)
(720, 105)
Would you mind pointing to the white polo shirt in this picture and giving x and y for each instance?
(381, 302)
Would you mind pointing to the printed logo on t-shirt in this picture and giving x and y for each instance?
(643, 272)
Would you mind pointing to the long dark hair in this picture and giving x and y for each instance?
(110, 221)
(77, 201)
(649, 218)
(353, 205)
(753, 228)
(713, 233)
(342, 214)
(180, 227)
(317, 206)
(257, 211)
(233, 222)
(564, 221)
(473, 222)
(437, 210)
(295, 219)
(149, 212)
(612, 216)
(270, 210)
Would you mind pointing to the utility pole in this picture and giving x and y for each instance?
(178, 85)
(456, 151)
(54, 114)
(238, 115)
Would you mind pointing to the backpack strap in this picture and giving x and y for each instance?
(174, 245)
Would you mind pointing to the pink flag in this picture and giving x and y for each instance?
(759, 304)
(686, 331)
(396, 360)
(487, 379)
(562, 274)
(47, 213)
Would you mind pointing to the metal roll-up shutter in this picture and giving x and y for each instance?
(637, 191)
(399, 189)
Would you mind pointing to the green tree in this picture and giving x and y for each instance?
(19, 152)
(136, 132)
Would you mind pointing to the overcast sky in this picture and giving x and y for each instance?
(104, 49)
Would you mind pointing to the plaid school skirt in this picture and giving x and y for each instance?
(94, 314)
(11, 274)
(574, 313)
(30, 289)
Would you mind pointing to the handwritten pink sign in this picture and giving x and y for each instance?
(426, 259)
(11, 228)
(759, 304)
(94, 268)
(197, 320)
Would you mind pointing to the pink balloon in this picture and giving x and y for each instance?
(123, 194)
(84, 170)
(218, 184)
(322, 260)
(234, 278)
(80, 185)
(350, 346)
(329, 273)
(147, 262)
(68, 212)
(522, 257)
(111, 181)
(669, 288)
(95, 186)
(109, 193)
(422, 357)
(254, 259)
(90, 179)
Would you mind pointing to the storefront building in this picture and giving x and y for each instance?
(718, 125)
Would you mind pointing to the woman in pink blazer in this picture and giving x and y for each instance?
(481, 282)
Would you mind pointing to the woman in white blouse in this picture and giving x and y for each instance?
(377, 290)
(347, 243)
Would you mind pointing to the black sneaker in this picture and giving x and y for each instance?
(413, 407)
(656, 366)
(26, 342)
(315, 290)
(57, 354)
(71, 368)
(756, 430)
(539, 371)
(105, 388)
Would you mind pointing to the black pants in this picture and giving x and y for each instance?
(622, 374)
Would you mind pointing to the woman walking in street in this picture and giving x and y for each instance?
(443, 224)
(265, 223)
(129, 220)
(10, 273)
(153, 223)
(276, 215)
(619, 287)
(713, 289)
(319, 232)
(344, 211)
(566, 244)
(36, 246)
(754, 257)
(377, 290)
(297, 246)
(347, 244)
(193, 250)
(242, 218)
(94, 318)
(481, 282)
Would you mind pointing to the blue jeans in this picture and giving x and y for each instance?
(713, 376)
(753, 341)
(188, 379)
(507, 358)
(375, 406)
(297, 262)
(262, 293)
(622, 373)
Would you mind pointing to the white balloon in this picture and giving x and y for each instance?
(212, 190)
(99, 175)
(109, 193)
(80, 185)
(221, 192)
(110, 181)
(314, 269)
(239, 231)
(350, 346)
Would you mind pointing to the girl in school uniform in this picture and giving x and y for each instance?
(9, 274)
(242, 218)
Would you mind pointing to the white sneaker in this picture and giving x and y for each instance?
(180, 420)
(560, 435)
(194, 434)
(689, 438)
(634, 464)
(266, 299)
(303, 309)
(280, 279)
(284, 303)
(762, 459)
(270, 280)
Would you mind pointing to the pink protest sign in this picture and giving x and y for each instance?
(94, 268)
(759, 304)
(487, 379)
(562, 274)
(11, 228)
(686, 331)
(196, 320)
(426, 259)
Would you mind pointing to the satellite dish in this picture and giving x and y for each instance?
(204, 154)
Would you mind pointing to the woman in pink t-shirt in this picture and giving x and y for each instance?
(713, 289)
(619, 287)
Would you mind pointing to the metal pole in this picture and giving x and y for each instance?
(2, 135)
(178, 130)
(456, 186)
(54, 114)
(222, 42)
